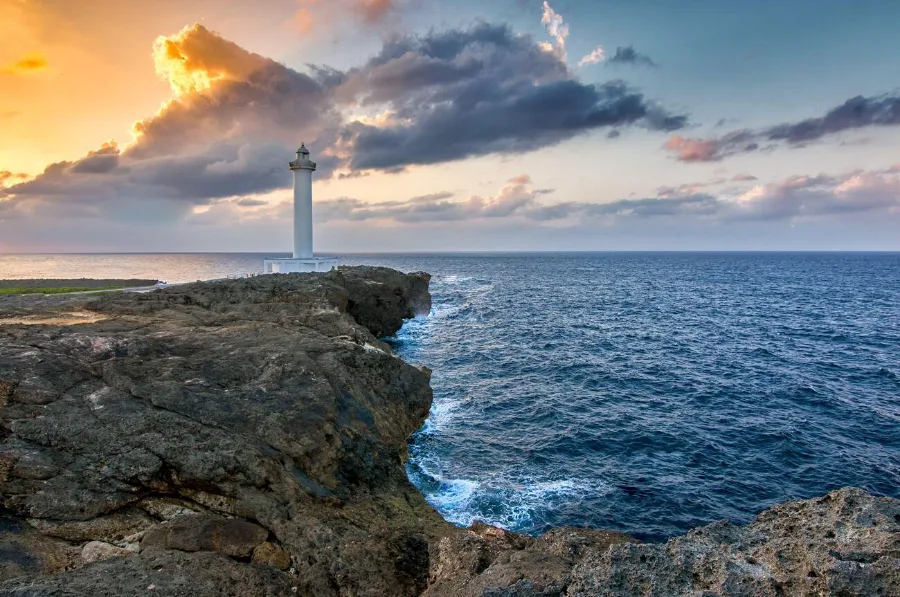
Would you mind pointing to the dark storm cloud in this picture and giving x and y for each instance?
(856, 113)
(628, 55)
(484, 90)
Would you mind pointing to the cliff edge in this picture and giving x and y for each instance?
(246, 437)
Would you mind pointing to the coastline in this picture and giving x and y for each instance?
(170, 435)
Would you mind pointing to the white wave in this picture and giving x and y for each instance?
(453, 279)
(512, 504)
(455, 495)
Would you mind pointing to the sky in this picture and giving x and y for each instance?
(510, 125)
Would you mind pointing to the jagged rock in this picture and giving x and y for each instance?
(235, 538)
(488, 561)
(845, 543)
(382, 305)
(263, 399)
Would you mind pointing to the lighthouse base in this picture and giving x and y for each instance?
(292, 265)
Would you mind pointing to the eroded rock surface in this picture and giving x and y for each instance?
(846, 543)
(246, 437)
(218, 417)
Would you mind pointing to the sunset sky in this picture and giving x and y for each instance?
(167, 125)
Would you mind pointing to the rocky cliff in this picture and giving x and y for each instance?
(246, 437)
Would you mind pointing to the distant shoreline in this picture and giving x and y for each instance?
(80, 283)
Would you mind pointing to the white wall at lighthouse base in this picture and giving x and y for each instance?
(293, 266)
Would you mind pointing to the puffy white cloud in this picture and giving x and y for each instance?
(557, 29)
(594, 57)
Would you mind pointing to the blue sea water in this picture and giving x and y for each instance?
(643, 392)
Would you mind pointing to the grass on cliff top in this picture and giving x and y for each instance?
(64, 290)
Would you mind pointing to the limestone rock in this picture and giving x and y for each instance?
(163, 573)
(96, 551)
(845, 543)
(488, 561)
(235, 538)
(258, 399)
(271, 555)
(25, 552)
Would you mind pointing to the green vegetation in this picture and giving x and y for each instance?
(64, 290)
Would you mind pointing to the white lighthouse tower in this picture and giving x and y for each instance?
(303, 259)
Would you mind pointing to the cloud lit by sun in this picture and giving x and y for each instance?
(173, 64)
(31, 63)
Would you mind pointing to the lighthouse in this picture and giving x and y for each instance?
(303, 259)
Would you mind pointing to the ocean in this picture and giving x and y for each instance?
(642, 392)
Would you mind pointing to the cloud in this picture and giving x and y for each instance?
(557, 29)
(235, 118)
(688, 149)
(741, 177)
(229, 130)
(796, 197)
(689, 188)
(247, 202)
(692, 150)
(7, 177)
(594, 57)
(628, 55)
(484, 90)
(374, 11)
(817, 196)
(317, 13)
(517, 195)
(855, 113)
(31, 63)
